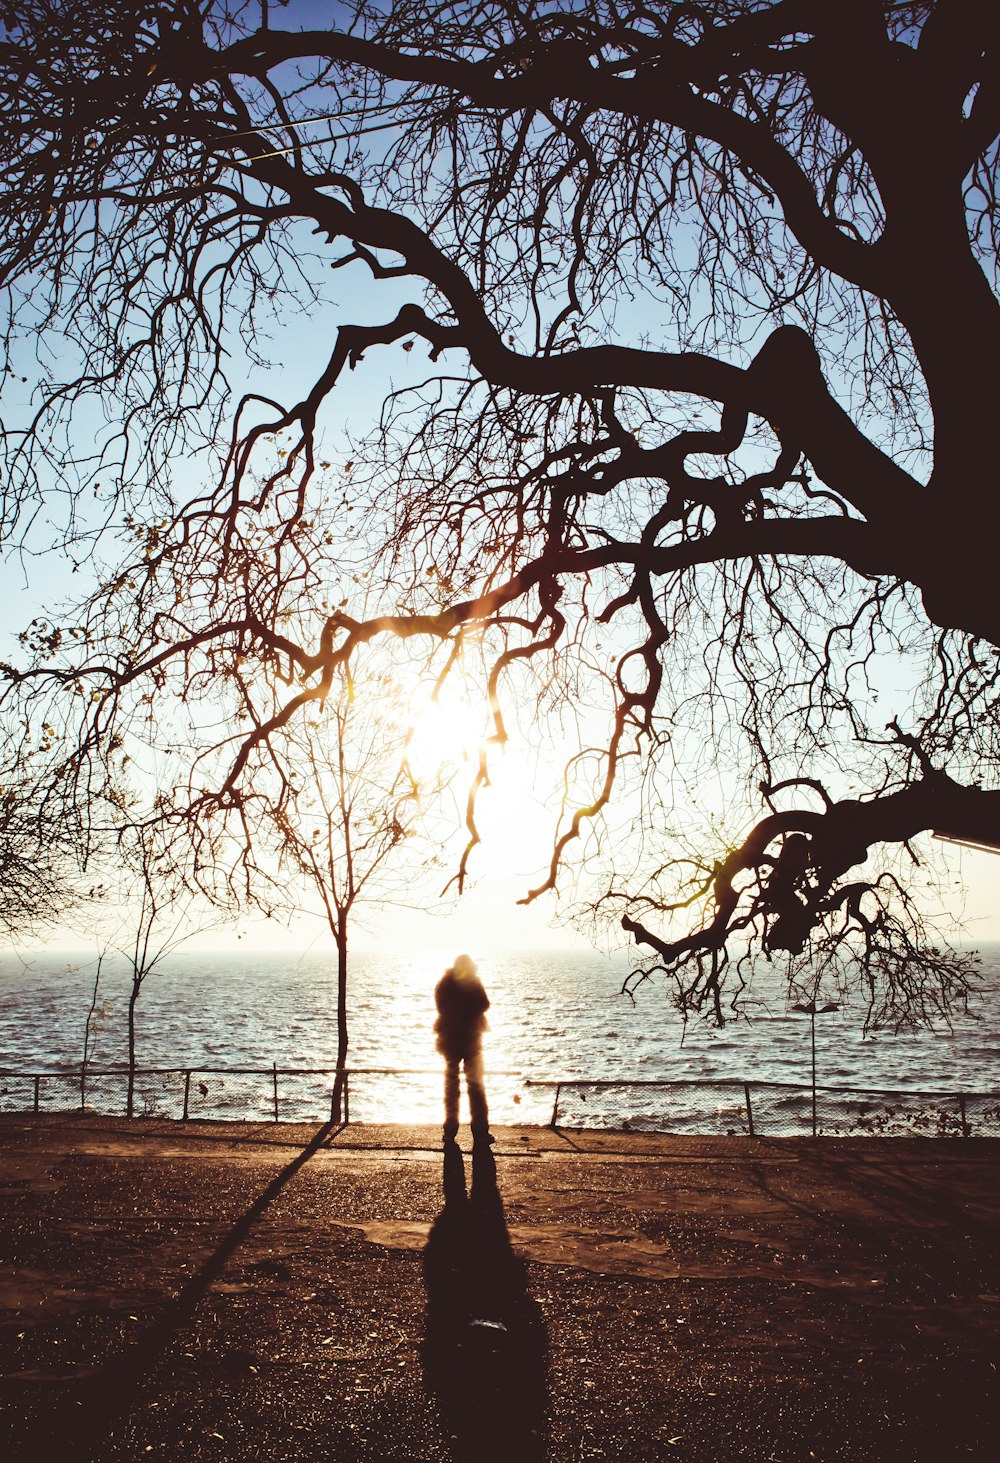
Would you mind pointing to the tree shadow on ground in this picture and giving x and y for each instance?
(485, 1345)
(77, 1430)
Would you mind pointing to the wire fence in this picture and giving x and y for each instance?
(370, 1094)
(773, 1109)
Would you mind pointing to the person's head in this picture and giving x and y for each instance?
(464, 967)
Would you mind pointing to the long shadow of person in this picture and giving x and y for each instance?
(485, 1345)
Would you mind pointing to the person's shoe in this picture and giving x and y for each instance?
(482, 1136)
(450, 1132)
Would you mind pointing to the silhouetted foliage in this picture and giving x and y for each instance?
(685, 374)
(41, 855)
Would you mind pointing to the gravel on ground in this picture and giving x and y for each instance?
(240, 1291)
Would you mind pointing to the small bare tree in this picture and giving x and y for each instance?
(95, 1016)
(164, 917)
(352, 802)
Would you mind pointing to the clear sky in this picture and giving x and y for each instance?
(487, 917)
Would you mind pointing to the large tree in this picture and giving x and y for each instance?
(704, 301)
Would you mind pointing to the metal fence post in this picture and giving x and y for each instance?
(746, 1093)
(274, 1078)
(966, 1130)
(37, 1085)
(347, 1097)
(555, 1106)
(187, 1094)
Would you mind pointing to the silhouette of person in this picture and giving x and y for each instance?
(462, 1004)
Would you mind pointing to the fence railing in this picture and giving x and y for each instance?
(413, 1094)
(761, 1108)
(235, 1093)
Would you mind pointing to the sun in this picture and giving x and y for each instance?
(447, 736)
(444, 733)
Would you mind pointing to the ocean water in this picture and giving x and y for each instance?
(555, 1017)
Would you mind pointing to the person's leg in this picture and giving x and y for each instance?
(450, 1098)
(474, 1081)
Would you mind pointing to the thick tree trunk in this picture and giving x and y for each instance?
(337, 1110)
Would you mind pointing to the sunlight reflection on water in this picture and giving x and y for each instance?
(554, 1016)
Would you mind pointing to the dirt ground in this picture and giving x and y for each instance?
(212, 1291)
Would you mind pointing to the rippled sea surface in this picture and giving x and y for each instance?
(554, 1017)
